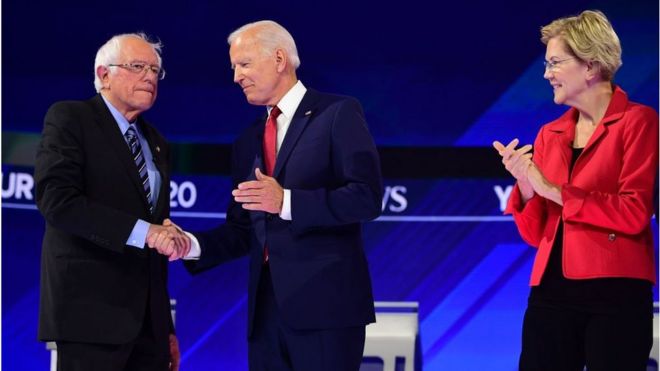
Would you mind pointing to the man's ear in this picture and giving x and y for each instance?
(103, 73)
(281, 59)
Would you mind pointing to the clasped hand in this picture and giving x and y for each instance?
(169, 240)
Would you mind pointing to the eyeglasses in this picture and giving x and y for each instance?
(552, 65)
(141, 68)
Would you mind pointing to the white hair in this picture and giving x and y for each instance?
(109, 53)
(270, 36)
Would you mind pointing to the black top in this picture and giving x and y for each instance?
(597, 295)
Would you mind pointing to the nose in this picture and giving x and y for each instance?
(547, 73)
(150, 76)
(238, 74)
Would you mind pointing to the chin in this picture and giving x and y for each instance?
(143, 106)
(255, 101)
(146, 101)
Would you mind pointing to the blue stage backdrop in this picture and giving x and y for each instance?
(438, 82)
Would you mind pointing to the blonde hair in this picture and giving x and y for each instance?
(590, 37)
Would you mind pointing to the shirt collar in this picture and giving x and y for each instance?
(291, 100)
(119, 118)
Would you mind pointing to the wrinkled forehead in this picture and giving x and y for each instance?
(245, 48)
(138, 50)
(245, 42)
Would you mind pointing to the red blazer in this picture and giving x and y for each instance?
(608, 200)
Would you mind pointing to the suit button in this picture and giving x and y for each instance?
(269, 216)
(611, 237)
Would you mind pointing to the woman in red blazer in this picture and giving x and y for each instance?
(585, 201)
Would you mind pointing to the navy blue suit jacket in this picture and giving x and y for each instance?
(319, 271)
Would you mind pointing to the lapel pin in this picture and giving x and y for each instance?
(308, 113)
(157, 149)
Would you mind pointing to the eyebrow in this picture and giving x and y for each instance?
(240, 61)
(144, 62)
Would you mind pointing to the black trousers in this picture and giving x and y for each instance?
(142, 354)
(274, 346)
(565, 339)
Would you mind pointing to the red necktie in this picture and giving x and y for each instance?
(270, 141)
(270, 150)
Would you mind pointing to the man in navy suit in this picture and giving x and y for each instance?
(300, 222)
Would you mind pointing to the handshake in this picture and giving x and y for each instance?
(169, 240)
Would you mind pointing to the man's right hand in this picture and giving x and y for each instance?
(168, 239)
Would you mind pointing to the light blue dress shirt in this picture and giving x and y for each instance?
(139, 234)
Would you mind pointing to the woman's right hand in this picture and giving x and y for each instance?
(517, 162)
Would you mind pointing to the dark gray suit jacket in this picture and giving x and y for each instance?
(95, 288)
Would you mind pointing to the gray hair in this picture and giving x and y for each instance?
(109, 52)
(270, 35)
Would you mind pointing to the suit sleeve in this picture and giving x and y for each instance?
(354, 191)
(629, 210)
(530, 217)
(60, 184)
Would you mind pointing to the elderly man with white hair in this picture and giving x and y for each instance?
(306, 176)
(102, 185)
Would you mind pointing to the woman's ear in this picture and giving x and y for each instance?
(593, 70)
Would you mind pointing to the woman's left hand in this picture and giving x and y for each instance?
(542, 186)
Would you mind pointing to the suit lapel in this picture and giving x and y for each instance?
(595, 137)
(258, 217)
(160, 162)
(256, 148)
(117, 142)
(300, 119)
(565, 131)
(614, 112)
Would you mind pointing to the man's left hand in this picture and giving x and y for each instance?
(175, 355)
(263, 194)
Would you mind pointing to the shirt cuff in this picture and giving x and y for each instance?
(138, 236)
(286, 205)
(195, 250)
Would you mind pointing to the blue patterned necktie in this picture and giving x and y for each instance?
(138, 157)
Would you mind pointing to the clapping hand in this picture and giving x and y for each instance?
(516, 161)
(530, 179)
